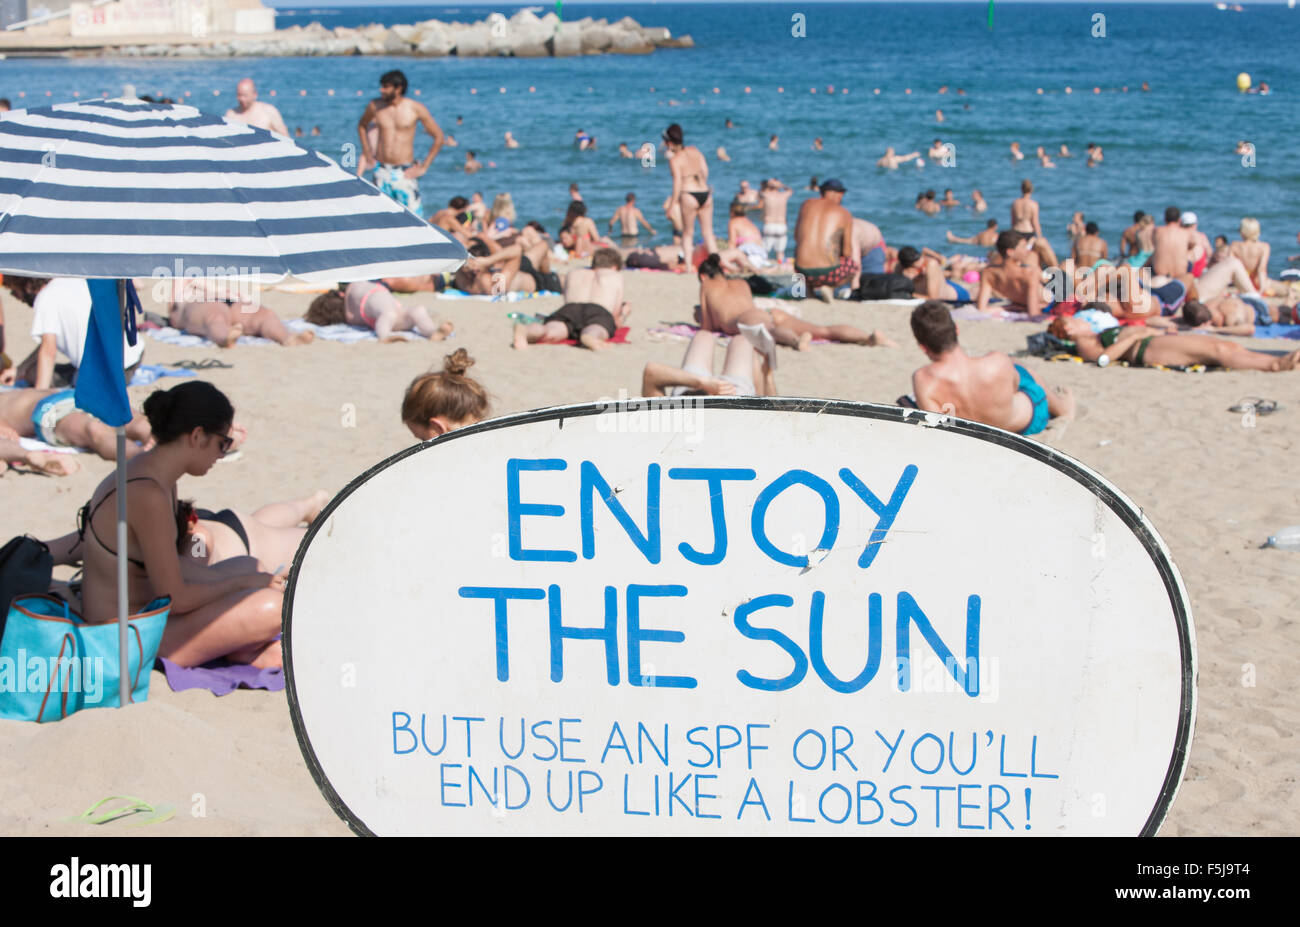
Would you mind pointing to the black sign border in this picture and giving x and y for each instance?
(1122, 508)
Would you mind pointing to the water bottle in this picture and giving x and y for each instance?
(1286, 539)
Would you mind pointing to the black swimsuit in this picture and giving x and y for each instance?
(228, 518)
(86, 518)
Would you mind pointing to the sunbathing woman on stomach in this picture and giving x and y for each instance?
(372, 304)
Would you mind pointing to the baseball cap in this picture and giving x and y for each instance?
(1189, 218)
(832, 183)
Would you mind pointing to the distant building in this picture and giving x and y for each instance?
(110, 18)
(12, 11)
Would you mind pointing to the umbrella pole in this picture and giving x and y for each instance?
(124, 687)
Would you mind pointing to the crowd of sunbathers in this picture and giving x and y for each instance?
(1156, 303)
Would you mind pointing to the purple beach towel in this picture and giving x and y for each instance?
(222, 678)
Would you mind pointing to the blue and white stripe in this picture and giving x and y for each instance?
(124, 188)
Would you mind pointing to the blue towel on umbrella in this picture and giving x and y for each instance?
(101, 382)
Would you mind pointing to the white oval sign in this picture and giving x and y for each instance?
(739, 616)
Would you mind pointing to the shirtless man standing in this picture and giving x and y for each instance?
(1024, 218)
(629, 215)
(1174, 244)
(254, 112)
(593, 307)
(396, 174)
(774, 198)
(989, 389)
(823, 237)
(1018, 278)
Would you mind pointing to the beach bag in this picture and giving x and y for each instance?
(53, 664)
(885, 286)
(26, 568)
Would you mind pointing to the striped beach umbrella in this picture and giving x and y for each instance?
(118, 189)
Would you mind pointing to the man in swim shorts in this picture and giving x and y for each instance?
(823, 235)
(989, 389)
(52, 416)
(396, 173)
(593, 307)
(774, 198)
(928, 278)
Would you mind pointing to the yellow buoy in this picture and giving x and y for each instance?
(1243, 81)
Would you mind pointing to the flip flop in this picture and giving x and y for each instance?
(1256, 405)
(151, 814)
(208, 363)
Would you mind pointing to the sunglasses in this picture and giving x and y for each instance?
(226, 442)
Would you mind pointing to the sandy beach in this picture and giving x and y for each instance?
(1215, 486)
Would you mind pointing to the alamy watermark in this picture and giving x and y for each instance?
(29, 672)
(683, 415)
(188, 283)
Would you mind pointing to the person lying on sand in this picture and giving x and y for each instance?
(659, 257)
(927, 273)
(1236, 315)
(727, 304)
(224, 322)
(745, 371)
(52, 416)
(270, 534)
(593, 307)
(989, 389)
(229, 610)
(436, 403)
(13, 454)
(371, 304)
(530, 258)
(1141, 346)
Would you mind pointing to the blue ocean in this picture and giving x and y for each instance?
(1171, 145)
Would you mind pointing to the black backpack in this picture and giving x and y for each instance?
(885, 286)
(26, 568)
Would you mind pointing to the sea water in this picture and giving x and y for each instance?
(1172, 145)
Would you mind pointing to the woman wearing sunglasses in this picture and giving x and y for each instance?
(229, 610)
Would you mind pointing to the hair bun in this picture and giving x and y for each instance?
(457, 362)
